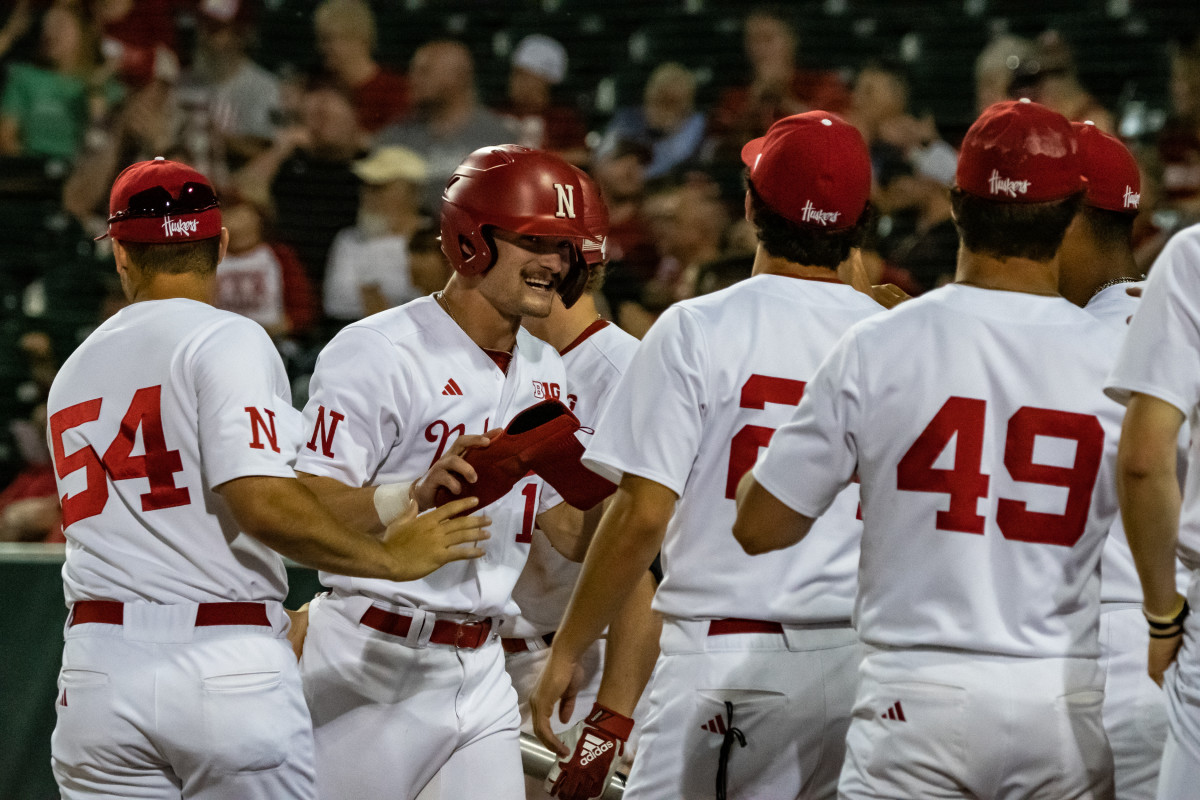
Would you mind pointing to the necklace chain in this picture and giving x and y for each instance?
(1115, 282)
(445, 304)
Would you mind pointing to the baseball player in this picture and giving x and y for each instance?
(404, 679)
(1097, 268)
(975, 419)
(173, 438)
(753, 690)
(1157, 376)
(595, 354)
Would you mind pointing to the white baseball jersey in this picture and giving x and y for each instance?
(1118, 576)
(593, 362)
(251, 284)
(356, 262)
(1161, 358)
(711, 381)
(390, 394)
(163, 402)
(985, 445)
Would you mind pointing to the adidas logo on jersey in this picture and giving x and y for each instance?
(452, 388)
(185, 226)
(593, 748)
(895, 713)
(715, 725)
(998, 185)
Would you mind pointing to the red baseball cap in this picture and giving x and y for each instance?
(1019, 151)
(1109, 170)
(162, 202)
(812, 169)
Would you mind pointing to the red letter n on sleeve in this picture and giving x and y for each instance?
(260, 427)
(325, 430)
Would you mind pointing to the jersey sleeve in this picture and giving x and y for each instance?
(246, 423)
(653, 424)
(1161, 352)
(351, 419)
(814, 456)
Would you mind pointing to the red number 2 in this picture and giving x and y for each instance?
(158, 465)
(965, 418)
(743, 450)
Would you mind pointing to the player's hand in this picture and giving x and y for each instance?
(889, 295)
(560, 680)
(451, 471)
(1161, 655)
(298, 630)
(421, 544)
(596, 743)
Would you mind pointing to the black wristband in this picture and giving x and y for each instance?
(1176, 620)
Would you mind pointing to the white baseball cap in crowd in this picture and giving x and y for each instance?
(543, 56)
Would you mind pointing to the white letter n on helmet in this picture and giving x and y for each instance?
(566, 201)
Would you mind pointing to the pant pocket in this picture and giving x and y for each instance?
(1084, 761)
(244, 716)
(905, 740)
(83, 732)
(738, 737)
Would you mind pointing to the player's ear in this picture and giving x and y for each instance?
(224, 244)
(121, 259)
(749, 212)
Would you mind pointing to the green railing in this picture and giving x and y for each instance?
(31, 626)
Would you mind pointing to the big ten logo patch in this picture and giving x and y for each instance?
(544, 390)
(443, 434)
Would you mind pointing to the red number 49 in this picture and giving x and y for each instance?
(159, 464)
(965, 418)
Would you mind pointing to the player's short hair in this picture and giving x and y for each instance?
(596, 276)
(1109, 229)
(1013, 230)
(803, 244)
(175, 259)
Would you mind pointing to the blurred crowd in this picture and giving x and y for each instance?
(331, 165)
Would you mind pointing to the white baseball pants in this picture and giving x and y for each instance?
(157, 709)
(936, 724)
(388, 716)
(790, 694)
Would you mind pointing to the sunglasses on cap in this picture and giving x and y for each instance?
(158, 202)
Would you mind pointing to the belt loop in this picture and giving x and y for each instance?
(420, 629)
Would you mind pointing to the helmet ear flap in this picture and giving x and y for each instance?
(469, 250)
(570, 289)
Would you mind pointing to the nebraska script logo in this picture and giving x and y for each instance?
(443, 434)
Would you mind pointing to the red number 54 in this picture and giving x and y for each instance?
(158, 464)
(966, 483)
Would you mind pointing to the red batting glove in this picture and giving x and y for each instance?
(596, 745)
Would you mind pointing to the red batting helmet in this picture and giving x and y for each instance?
(520, 190)
(595, 219)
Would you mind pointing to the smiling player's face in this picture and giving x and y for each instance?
(527, 272)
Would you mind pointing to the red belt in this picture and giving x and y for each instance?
(721, 627)
(513, 645)
(466, 635)
(110, 612)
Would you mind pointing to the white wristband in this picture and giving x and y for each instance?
(391, 500)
